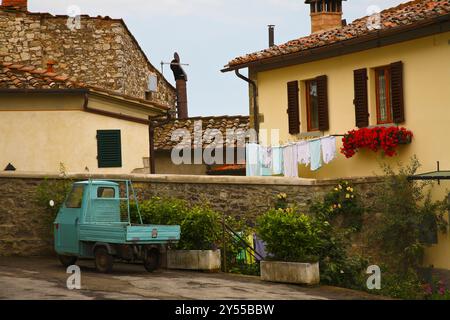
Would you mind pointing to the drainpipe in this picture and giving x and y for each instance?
(255, 101)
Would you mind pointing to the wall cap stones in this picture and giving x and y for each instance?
(191, 179)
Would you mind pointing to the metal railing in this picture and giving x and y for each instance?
(228, 232)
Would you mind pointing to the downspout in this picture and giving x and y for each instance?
(255, 101)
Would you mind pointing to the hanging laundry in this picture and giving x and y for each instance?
(290, 161)
(249, 259)
(260, 248)
(328, 149)
(253, 161)
(315, 147)
(266, 157)
(277, 161)
(303, 153)
(266, 160)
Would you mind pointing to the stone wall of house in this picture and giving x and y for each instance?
(25, 226)
(101, 52)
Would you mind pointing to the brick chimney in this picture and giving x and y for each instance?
(21, 5)
(325, 14)
(181, 86)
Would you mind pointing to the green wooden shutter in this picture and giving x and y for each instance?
(109, 149)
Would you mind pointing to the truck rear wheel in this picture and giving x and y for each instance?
(103, 260)
(67, 261)
(151, 260)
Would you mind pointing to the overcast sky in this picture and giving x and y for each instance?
(207, 34)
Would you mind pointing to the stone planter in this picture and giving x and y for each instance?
(201, 260)
(290, 272)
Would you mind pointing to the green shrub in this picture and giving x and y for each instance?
(290, 235)
(344, 202)
(200, 229)
(167, 211)
(404, 207)
(200, 225)
(401, 286)
(53, 190)
(337, 266)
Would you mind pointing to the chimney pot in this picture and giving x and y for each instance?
(50, 64)
(21, 5)
(325, 14)
(271, 35)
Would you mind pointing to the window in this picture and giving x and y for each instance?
(312, 105)
(383, 95)
(75, 198)
(109, 149)
(153, 83)
(108, 193)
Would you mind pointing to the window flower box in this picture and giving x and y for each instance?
(375, 139)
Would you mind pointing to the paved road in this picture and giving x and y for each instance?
(44, 278)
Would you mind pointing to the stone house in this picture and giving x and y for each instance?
(39, 54)
(385, 70)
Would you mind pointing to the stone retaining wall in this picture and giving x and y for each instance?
(24, 228)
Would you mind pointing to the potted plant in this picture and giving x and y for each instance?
(293, 240)
(197, 249)
(200, 230)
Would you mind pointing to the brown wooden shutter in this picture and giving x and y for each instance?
(398, 107)
(322, 93)
(361, 101)
(293, 107)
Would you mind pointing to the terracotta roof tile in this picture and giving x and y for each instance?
(17, 76)
(405, 14)
(163, 135)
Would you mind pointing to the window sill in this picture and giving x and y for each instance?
(311, 134)
(386, 125)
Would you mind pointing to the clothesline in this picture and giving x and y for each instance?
(285, 160)
(309, 140)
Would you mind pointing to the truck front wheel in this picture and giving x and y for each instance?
(151, 260)
(103, 260)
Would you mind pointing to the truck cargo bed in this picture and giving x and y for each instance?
(123, 233)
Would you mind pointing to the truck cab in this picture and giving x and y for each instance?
(95, 223)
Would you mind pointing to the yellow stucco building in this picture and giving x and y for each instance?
(389, 69)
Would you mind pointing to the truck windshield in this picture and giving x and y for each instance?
(75, 198)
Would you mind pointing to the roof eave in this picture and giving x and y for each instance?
(409, 32)
(44, 91)
(151, 106)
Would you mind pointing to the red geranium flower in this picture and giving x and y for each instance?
(386, 139)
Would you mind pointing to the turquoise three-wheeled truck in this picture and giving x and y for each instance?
(95, 223)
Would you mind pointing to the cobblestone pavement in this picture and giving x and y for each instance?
(45, 278)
